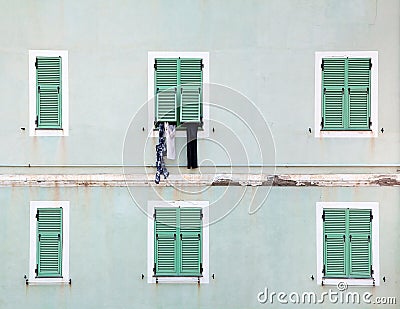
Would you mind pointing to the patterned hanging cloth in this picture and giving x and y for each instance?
(160, 150)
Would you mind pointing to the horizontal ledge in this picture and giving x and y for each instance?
(296, 165)
(197, 180)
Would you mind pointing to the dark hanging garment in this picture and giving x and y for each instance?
(191, 147)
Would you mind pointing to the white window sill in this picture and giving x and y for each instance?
(362, 134)
(177, 280)
(348, 282)
(49, 132)
(40, 281)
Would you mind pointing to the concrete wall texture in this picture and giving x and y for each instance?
(264, 51)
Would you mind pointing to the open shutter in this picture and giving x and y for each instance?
(334, 242)
(165, 255)
(333, 94)
(191, 79)
(166, 83)
(359, 74)
(360, 243)
(191, 241)
(49, 242)
(48, 92)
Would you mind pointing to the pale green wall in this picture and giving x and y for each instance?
(264, 49)
(275, 248)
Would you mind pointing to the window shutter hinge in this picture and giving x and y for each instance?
(326, 237)
(36, 63)
(180, 236)
(154, 215)
(59, 237)
(201, 268)
(323, 215)
(37, 212)
(370, 64)
(39, 236)
(36, 123)
(38, 89)
(201, 64)
(155, 64)
(154, 269)
(343, 90)
(372, 271)
(201, 214)
(367, 90)
(58, 89)
(369, 122)
(369, 238)
(323, 269)
(36, 269)
(322, 65)
(344, 238)
(199, 236)
(175, 236)
(370, 216)
(156, 236)
(350, 238)
(322, 123)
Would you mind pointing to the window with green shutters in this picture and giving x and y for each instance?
(347, 243)
(178, 242)
(49, 239)
(178, 90)
(48, 92)
(346, 94)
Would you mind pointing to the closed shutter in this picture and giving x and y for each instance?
(191, 79)
(166, 84)
(334, 242)
(358, 88)
(191, 240)
(165, 258)
(360, 243)
(333, 94)
(48, 92)
(49, 242)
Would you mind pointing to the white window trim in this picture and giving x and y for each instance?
(374, 94)
(152, 55)
(374, 206)
(205, 244)
(34, 205)
(64, 131)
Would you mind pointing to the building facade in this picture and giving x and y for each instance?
(296, 107)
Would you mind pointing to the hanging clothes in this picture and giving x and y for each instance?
(170, 131)
(160, 149)
(191, 146)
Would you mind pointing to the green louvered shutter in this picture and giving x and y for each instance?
(333, 94)
(166, 249)
(359, 74)
(191, 241)
(48, 92)
(49, 242)
(191, 80)
(334, 242)
(360, 243)
(166, 84)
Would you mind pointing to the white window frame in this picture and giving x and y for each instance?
(33, 131)
(152, 55)
(205, 241)
(373, 99)
(374, 206)
(34, 205)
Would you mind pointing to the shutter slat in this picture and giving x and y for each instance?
(334, 243)
(165, 241)
(360, 244)
(191, 230)
(49, 242)
(190, 106)
(48, 78)
(166, 82)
